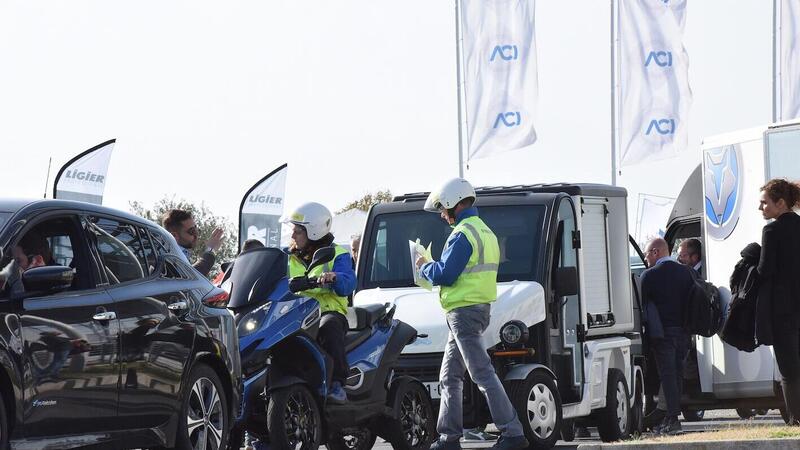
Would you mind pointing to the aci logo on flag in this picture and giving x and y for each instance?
(723, 180)
(508, 119)
(661, 126)
(660, 58)
(504, 52)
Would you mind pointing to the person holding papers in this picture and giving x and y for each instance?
(467, 276)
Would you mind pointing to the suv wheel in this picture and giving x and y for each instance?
(205, 414)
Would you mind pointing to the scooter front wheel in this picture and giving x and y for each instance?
(293, 419)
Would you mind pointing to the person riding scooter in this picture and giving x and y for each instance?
(312, 225)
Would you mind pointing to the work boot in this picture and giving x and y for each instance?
(654, 419)
(670, 426)
(511, 443)
(337, 395)
(440, 444)
(791, 396)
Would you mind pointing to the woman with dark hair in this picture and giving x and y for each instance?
(311, 232)
(779, 270)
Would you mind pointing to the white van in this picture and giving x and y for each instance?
(719, 205)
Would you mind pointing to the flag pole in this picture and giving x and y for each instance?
(458, 89)
(613, 100)
(47, 180)
(775, 69)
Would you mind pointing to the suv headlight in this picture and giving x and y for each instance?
(253, 320)
(514, 333)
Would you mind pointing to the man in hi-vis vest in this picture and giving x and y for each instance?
(467, 276)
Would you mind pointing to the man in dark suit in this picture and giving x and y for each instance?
(665, 287)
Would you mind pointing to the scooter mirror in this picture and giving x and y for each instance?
(321, 256)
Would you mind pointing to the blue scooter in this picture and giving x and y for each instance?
(287, 375)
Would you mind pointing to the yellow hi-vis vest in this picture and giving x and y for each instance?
(478, 282)
(327, 298)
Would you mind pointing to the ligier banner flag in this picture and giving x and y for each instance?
(261, 209)
(84, 177)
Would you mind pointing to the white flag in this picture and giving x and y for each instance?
(261, 209)
(83, 178)
(501, 86)
(789, 60)
(654, 212)
(654, 93)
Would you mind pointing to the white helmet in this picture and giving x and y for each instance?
(449, 194)
(314, 217)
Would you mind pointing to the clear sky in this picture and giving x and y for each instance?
(206, 97)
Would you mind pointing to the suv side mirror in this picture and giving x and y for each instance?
(321, 256)
(47, 279)
(566, 281)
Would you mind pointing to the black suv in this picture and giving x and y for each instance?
(109, 337)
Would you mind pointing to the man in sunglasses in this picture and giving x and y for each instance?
(31, 251)
(181, 225)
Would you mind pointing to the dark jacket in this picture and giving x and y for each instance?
(666, 285)
(779, 269)
(740, 327)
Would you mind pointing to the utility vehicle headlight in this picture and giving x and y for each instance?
(514, 333)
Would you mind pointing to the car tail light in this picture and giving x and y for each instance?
(217, 298)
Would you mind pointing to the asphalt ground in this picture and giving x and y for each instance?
(713, 420)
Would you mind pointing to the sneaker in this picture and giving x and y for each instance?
(511, 443)
(582, 432)
(654, 419)
(477, 434)
(337, 395)
(670, 426)
(445, 445)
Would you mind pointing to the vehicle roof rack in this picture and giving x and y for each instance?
(588, 189)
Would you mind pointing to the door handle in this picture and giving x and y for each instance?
(177, 306)
(104, 316)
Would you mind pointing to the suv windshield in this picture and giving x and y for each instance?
(388, 260)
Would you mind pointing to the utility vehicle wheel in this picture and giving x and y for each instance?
(746, 413)
(693, 415)
(784, 414)
(205, 413)
(351, 439)
(538, 407)
(413, 425)
(613, 421)
(636, 426)
(293, 419)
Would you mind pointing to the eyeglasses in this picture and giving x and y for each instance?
(652, 250)
(192, 231)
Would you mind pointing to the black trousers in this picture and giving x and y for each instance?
(670, 352)
(332, 328)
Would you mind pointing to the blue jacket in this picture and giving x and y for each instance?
(345, 282)
(666, 286)
(454, 258)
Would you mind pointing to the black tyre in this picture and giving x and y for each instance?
(693, 415)
(351, 439)
(784, 414)
(413, 425)
(762, 412)
(538, 407)
(613, 421)
(293, 419)
(746, 413)
(636, 426)
(568, 430)
(205, 414)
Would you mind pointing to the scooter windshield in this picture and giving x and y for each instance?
(255, 274)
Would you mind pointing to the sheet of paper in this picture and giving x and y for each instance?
(416, 250)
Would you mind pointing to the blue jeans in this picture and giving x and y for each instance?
(464, 352)
(670, 352)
